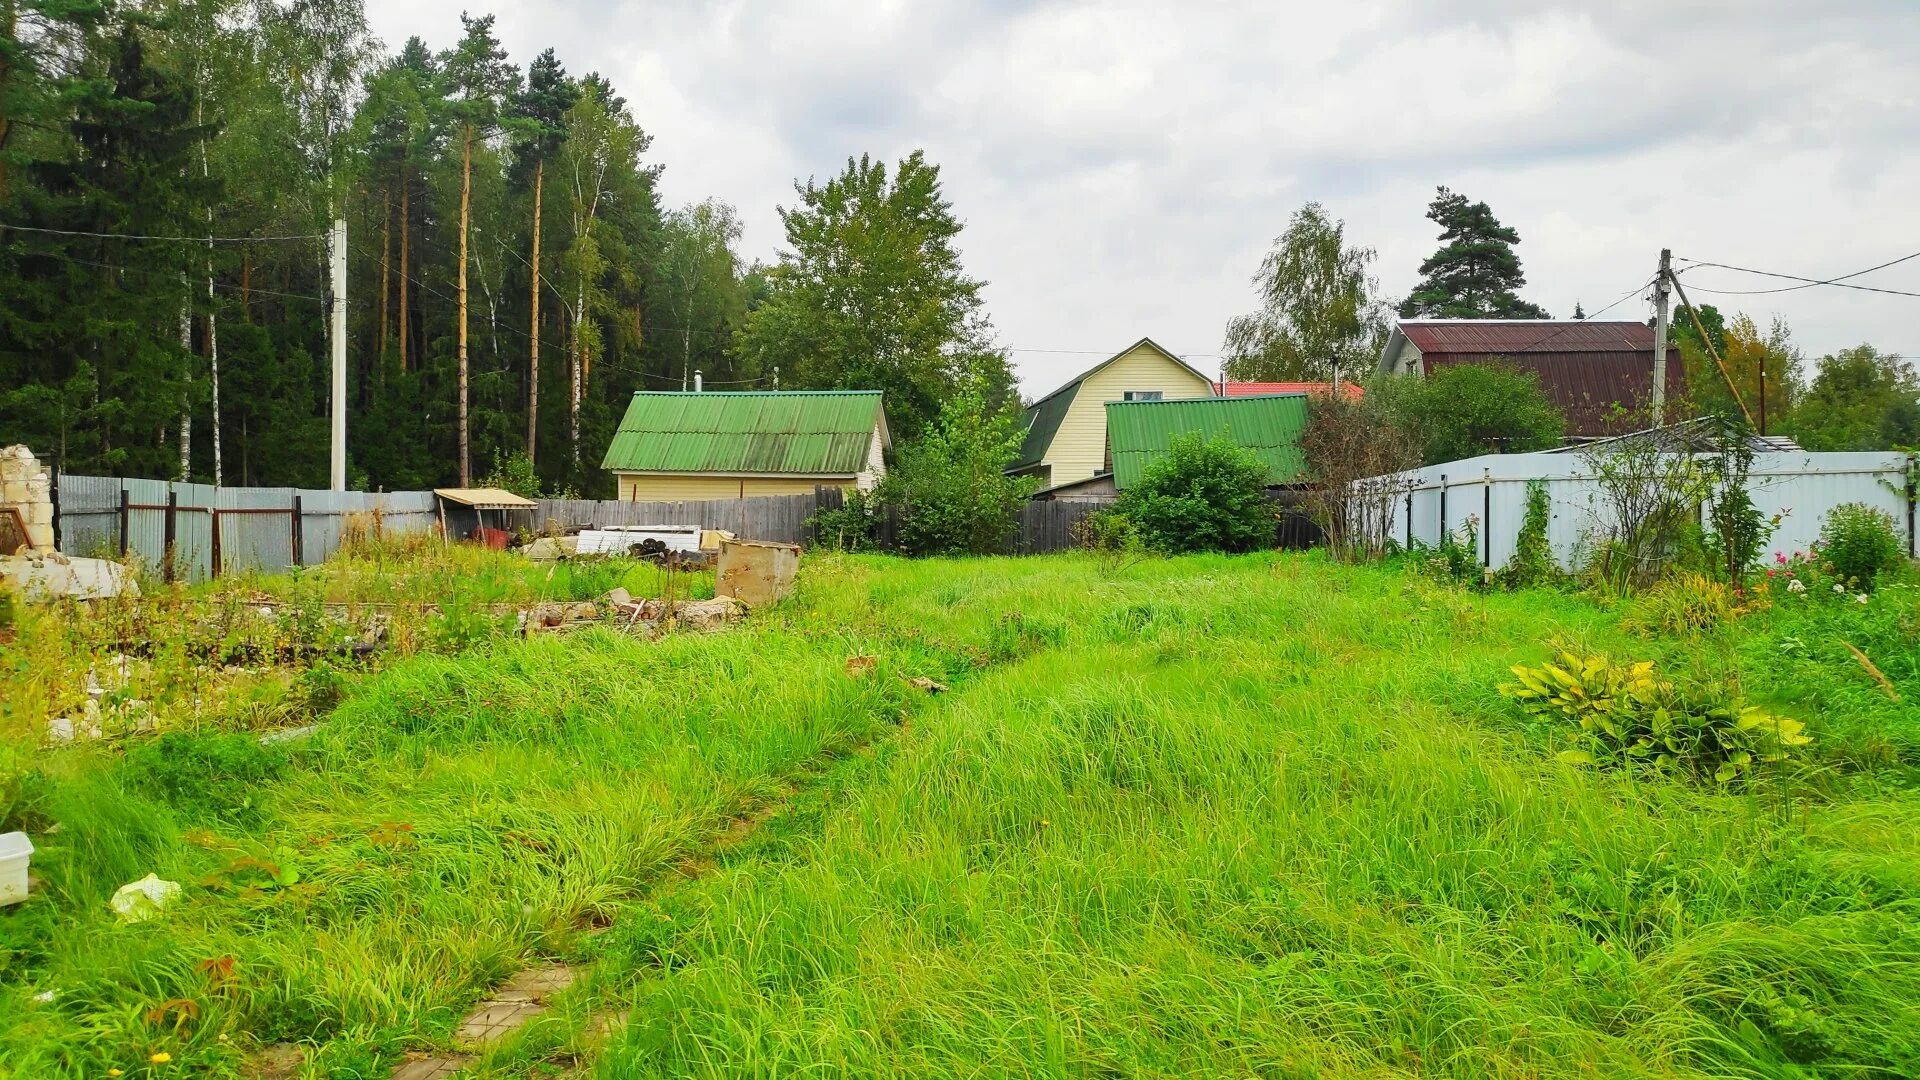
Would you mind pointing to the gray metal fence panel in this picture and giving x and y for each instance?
(89, 515)
(256, 529)
(147, 521)
(193, 531)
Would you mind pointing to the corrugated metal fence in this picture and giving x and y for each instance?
(1802, 486)
(211, 531)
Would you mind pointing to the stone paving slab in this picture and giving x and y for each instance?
(516, 1001)
(433, 1068)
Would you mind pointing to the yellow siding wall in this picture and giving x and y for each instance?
(643, 488)
(1080, 447)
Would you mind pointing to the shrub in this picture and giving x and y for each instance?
(1463, 411)
(848, 527)
(1858, 541)
(1740, 530)
(954, 496)
(1532, 562)
(1648, 508)
(215, 774)
(1356, 452)
(1625, 716)
(1201, 495)
(1685, 603)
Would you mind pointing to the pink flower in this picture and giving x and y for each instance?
(1769, 571)
(1780, 557)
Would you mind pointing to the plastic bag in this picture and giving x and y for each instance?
(142, 900)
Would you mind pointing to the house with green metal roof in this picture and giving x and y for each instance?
(1270, 426)
(674, 447)
(1066, 439)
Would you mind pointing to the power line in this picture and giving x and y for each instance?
(175, 239)
(196, 282)
(1839, 282)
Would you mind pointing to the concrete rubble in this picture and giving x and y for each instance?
(30, 567)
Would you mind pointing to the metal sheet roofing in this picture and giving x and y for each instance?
(1508, 336)
(1353, 391)
(793, 433)
(483, 498)
(1270, 426)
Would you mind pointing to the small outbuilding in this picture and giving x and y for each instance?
(490, 514)
(676, 447)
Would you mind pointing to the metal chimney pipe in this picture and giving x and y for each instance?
(696, 382)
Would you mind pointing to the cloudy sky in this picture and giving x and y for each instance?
(1121, 167)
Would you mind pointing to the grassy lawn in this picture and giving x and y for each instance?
(1258, 815)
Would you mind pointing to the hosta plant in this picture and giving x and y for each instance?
(1622, 714)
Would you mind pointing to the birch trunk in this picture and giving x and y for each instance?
(579, 352)
(186, 393)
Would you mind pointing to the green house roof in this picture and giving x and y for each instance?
(789, 433)
(1270, 426)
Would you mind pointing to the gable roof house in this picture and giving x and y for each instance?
(1067, 430)
(1588, 368)
(674, 446)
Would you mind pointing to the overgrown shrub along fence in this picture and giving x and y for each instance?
(1801, 486)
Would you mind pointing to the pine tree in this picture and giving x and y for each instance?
(478, 79)
(1475, 273)
(542, 110)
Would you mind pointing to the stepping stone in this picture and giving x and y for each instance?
(281, 1061)
(433, 1068)
(518, 1000)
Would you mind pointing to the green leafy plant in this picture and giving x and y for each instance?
(1112, 536)
(1686, 603)
(1203, 494)
(219, 774)
(1621, 714)
(1739, 529)
(954, 497)
(1532, 561)
(849, 526)
(1859, 543)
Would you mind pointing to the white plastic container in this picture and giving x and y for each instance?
(15, 850)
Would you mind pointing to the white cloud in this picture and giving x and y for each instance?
(1122, 166)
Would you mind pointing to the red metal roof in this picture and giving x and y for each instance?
(1510, 337)
(1256, 389)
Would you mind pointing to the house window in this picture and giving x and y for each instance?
(1143, 395)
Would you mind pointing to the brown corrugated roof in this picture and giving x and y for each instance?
(1526, 336)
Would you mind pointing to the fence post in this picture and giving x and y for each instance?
(299, 533)
(167, 535)
(1409, 519)
(1442, 528)
(53, 497)
(125, 508)
(1912, 463)
(213, 524)
(1486, 519)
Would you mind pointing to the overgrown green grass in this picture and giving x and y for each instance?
(1208, 816)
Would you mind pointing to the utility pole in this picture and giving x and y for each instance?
(338, 304)
(1660, 287)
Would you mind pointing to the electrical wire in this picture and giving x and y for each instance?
(1839, 282)
(174, 239)
(195, 279)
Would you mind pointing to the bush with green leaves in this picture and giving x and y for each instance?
(954, 495)
(849, 526)
(1462, 411)
(1532, 562)
(1203, 494)
(1860, 543)
(1621, 714)
(1738, 528)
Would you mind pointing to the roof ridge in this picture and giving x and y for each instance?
(760, 393)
